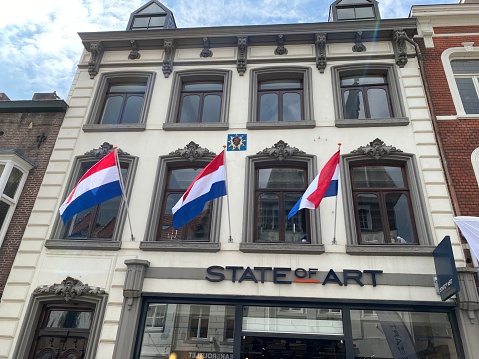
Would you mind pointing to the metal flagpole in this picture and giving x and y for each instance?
(336, 204)
(230, 240)
(117, 160)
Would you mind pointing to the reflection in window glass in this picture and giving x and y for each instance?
(69, 319)
(280, 100)
(13, 182)
(4, 207)
(200, 102)
(123, 103)
(268, 108)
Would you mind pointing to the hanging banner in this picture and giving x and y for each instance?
(397, 335)
(447, 280)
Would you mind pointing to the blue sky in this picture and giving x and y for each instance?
(40, 47)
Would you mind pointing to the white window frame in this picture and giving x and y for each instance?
(11, 161)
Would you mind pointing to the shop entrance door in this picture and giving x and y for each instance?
(265, 347)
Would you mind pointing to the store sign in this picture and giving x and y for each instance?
(284, 275)
(446, 273)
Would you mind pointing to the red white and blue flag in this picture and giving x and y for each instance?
(100, 183)
(208, 185)
(324, 185)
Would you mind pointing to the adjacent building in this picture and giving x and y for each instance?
(352, 279)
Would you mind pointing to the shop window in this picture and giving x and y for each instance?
(121, 102)
(367, 96)
(199, 100)
(281, 97)
(466, 74)
(13, 174)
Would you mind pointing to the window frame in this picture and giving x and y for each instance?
(187, 76)
(101, 94)
(57, 240)
(165, 163)
(459, 53)
(398, 117)
(281, 73)
(249, 245)
(420, 212)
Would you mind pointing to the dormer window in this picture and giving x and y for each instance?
(151, 16)
(347, 10)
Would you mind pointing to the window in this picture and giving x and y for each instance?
(198, 323)
(151, 16)
(344, 10)
(466, 74)
(281, 97)
(156, 317)
(199, 100)
(121, 102)
(367, 96)
(13, 174)
(99, 224)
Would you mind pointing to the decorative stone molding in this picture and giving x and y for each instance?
(280, 150)
(400, 47)
(358, 42)
(281, 50)
(468, 297)
(468, 46)
(69, 288)
(103, 150)
(427, 33)
(206, 52)
(134, 54)
(376, 149)
(96, 51)
(241, 58)
(320, 43)
(135, 274)
(192, 151)
(169, 47)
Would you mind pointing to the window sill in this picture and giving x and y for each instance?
(130, 127)
(390, 250)
(180, 246)
(282, 248)
(220, 126)
(280, 124)
(373, 122)
(87, 244)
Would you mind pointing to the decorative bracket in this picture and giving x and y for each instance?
(377, 149)
(358, 39)
(241, 58)
(427, 33)
(400, 47)
(192, 151)
(281, 50)
(134, 54)
(103, 150)
(169, 55)
(69, 288)
(320, 43)
(96, 51)
(280, 150)
(206, 52)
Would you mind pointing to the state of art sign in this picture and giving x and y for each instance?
(285, 275)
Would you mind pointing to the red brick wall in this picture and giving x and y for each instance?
(18, 135)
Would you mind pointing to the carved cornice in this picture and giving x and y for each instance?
(281, 50)
(192, 151)
(241, 58)
(376, 149)
(400, 47)
(169, 47)
(96, 51)
(69, 288)
(103, 150)
(358, 39)
(206, 52)
(134, 54)
(280, 150)
(320, 43)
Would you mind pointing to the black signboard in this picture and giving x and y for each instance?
(446, 273)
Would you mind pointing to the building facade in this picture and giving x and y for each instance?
(352, 279)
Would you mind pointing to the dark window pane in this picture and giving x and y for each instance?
(141, 21)
(346, 14)
(399, 217)
(268, 108)
(69, 319)
(47, 356)
(371, 229)
(469, 96)
(292, 107)
(2, 167)
(280, 84)
(378, 177)
(199, 228)
(295, 230)
(181, 178)
(127, 88)
(465, 66)
(112, 110)
(131, 113)
(3, 212)
(203, 86)
(157, 21)
(189, 109)
(105, 220)
(166, 230)
(13, 182)
(281, 178)
(211, 108)
(363, 80)
(364, 12)
(354, 106)
(268, 213)
(378, 103)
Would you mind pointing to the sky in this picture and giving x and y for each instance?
(40, 47)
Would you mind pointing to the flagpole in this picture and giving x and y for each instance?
(230, 239)
(336, 205)
(123, 194)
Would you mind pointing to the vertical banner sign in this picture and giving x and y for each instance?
(446, 272)
(397, 335)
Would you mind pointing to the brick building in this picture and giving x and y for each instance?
(28, 131)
